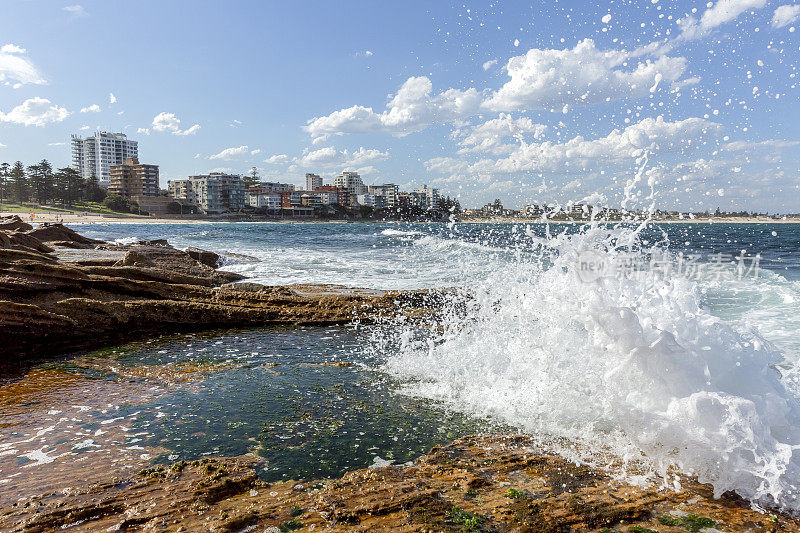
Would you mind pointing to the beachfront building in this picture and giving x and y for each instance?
(132, 178)
(388, 191)
(263, 198)
(352, 182)
(212, 193)
(331, 195)
(95, 155)
(313, 181)
(532, 210)
(426, 198)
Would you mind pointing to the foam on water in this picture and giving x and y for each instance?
(623, 366)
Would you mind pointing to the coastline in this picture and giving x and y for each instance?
(79, 219)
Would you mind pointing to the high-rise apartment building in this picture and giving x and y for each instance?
(132, 178)
(313, 181)
(96, 155)
(352, 182)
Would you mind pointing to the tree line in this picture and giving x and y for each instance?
(40, 184)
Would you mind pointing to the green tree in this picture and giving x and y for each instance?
(42, 181)
(18, 187)
(117, 203)
(69, 185)
(92, 191)
(5, 174)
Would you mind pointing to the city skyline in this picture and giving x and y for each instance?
(526, 104)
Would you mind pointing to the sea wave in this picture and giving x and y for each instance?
(636, 366)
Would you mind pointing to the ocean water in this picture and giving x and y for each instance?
(671, 346)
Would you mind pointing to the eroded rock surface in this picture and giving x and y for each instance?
(51, 306)
(478, 483)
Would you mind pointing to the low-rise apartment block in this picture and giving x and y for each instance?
(212, 193)
(132, 178)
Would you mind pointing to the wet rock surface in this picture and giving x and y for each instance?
(477, 483)
(50, 306)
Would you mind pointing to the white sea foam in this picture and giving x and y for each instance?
(399, 233)
(632, 365)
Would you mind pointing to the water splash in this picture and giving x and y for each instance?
(636, 366)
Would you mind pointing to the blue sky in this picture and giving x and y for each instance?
(688, 105)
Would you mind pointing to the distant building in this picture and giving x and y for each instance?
(532, 210)
(94, 156)
(263, 198)
(313, 181)
(426, 197)
(334, 195)
(212, 193)
(389, 191)
(132, 178)
(366, 200)
(275, 186)
(352, 182)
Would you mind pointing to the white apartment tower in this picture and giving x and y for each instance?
(313, 181)
(97, 154)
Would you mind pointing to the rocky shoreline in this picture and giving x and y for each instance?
(476, 483)
(109, 294)
(61, 292)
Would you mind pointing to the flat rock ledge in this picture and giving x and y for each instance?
(105, 294)
(477, 483)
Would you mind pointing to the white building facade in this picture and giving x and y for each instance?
(97, 154)
(313, 182)
(352, 182)
(212, 193)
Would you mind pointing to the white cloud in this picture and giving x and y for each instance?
(189, 131)
(231, 153)
(170, 123)
(35, 112)
(277, 159)
(489, 136)
(255, 152)
(413, 108)
(94, 108)
(771, 144)
(85, 128)
(785, 15)
(619, 146)
(16, 69)
(551, 79)
(489, 64)
(2, 145)
(330, 157)
(75, 10)
(718, 14)
(143, 131)
(57, 144)
(111, 98)
(235, 123)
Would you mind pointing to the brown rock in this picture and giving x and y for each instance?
(14, 223)
(152, 290)
(203, 256)
(521, 491)
(60, 233)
